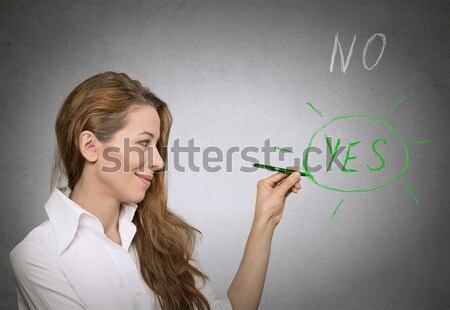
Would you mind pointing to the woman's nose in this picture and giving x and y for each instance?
(156, 163)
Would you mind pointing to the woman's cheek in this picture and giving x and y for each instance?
(135, 161)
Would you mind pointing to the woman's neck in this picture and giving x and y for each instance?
(106, 208)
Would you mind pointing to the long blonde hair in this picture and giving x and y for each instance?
(163, 240)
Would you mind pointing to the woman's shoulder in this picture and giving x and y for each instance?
(39, 239)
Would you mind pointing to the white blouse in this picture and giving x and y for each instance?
(68, 262)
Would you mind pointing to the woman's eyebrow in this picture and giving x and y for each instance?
(149, 133)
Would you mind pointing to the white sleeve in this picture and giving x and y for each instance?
(40, 282)
(210, 294)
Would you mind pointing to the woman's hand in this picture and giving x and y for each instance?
(272, 193)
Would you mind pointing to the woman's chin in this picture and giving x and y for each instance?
(139, 197)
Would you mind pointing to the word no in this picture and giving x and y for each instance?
(344, 64)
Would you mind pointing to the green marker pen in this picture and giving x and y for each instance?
(284, 170)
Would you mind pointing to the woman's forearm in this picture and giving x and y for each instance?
(247, 287)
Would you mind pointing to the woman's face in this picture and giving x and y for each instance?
(130, 153)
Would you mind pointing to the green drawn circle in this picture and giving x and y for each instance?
(368, 117)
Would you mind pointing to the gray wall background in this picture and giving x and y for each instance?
(235, 74)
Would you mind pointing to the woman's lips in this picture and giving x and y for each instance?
(145, 179)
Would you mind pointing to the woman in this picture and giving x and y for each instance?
(110, 241)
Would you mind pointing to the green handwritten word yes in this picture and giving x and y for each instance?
(348, 157)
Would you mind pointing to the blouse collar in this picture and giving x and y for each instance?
(65, 217)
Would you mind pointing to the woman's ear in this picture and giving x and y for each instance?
(90, 146)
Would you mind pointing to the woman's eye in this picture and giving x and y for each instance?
(144, 142)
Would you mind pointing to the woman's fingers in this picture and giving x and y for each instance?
(276, 178)
(288, 183)
(291, 190)
(279, 177)
(296, 186)
(294, 189)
